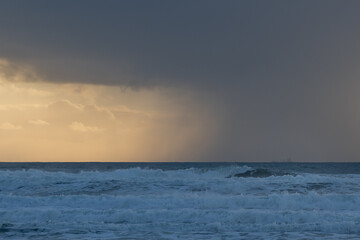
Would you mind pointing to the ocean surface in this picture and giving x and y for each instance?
(180, 201)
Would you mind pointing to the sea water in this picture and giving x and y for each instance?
(180, 201)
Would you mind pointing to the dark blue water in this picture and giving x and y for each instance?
(180, 200)
(321, 168)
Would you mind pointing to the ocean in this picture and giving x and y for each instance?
(180, 201)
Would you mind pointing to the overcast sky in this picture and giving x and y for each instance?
(281, 79)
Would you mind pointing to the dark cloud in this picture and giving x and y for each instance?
(282, 75)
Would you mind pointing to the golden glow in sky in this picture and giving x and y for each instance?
(42, 121)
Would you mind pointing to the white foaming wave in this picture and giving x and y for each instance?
(133, 172)
(136, 202)
(277, 201)
(134, 175)
(278, 212)
(146, 173)
(148, 181)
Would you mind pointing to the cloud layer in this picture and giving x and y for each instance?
(275, 79)
(99, 123)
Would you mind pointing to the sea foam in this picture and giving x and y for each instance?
(188, 203)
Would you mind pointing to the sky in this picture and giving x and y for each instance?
(179, 80)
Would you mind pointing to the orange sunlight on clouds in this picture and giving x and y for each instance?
(43, 121)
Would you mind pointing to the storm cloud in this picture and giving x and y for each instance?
(281, 77)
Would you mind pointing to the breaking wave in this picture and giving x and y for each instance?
(233, 202)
